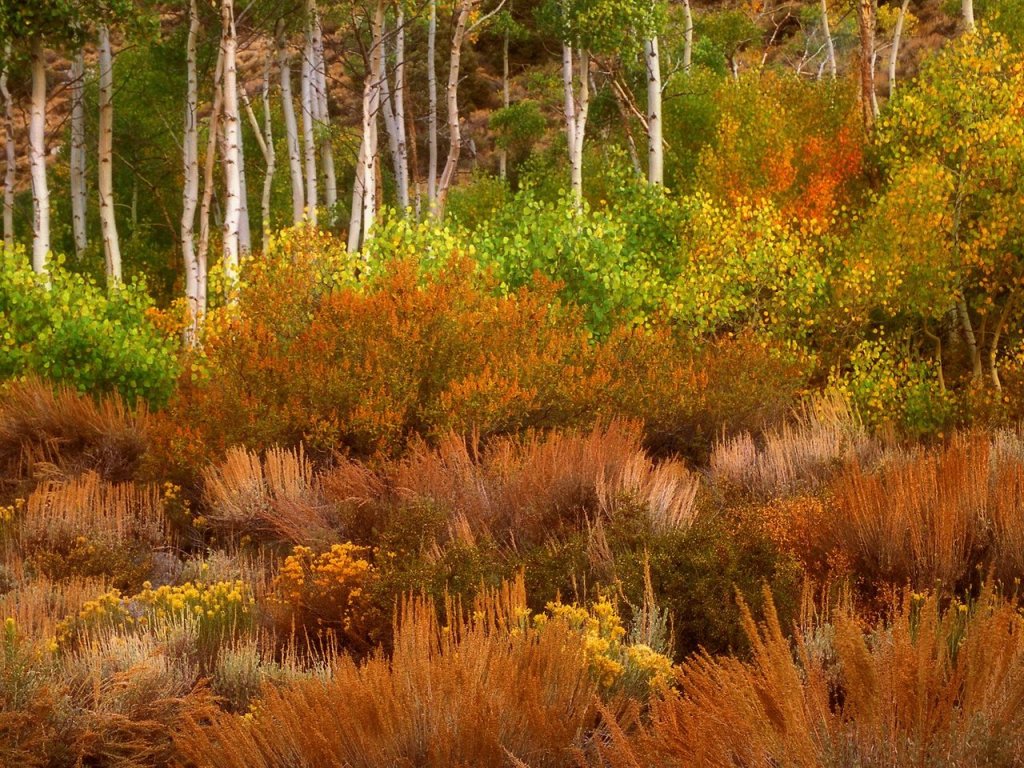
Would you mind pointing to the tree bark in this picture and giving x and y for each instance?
(576, 109)
(269, 154)
(76, 161)
(687, 37)
(894, 54)
(291, 126)
(866, 26)
(244, 228)
(232, 139)
(323, 116)
(308, 122)
(967, 8)
(655, 145)
(399, 99)
(10, 153)
(210, 164)
(830, 48)
(355, 219)
(371, 101)
(105, 160)
(37, 162)
(451, 166)
(432, 106)
(505, 102)
(195, 272)
(391, 123)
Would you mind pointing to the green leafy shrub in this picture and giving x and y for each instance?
(68, 330)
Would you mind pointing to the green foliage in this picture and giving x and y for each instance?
(599, 26)
(890, 385)
(74, 332)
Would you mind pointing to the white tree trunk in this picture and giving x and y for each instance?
(894, 54)
(687, 37)
(209, 165)
(244, 227)
(37, 162)
(403, 141)
(655, 145)
(291, 127)
(451, 166)
(968, 13)
(830, 48)
(231, 152)
(76, 161)
(195, 274)
(505, 102)
(576, 109)
(10, 153)
(308, 123)
(355, 219)
(269, 154)
(323, 115)
(432, 106)
(105, 160)
(390, 124)
(371, 102)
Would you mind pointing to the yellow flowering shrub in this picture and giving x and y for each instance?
(217, 610)
(327, 591)
(615, 661)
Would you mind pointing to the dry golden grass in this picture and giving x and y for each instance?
(468, 693)
(37, 605)
(918, 518)
(928, 688)
(91, 507)
(61, 432)
(527, 488)
(277, 495)
(826, 433)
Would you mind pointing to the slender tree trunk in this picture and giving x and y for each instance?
(37, 161)
(232, 141)
(390, 119)
(195, 274)
(874, 91)
(967, 7)
(451, 166)
(355, 219)
(105, 160)
(269, 154)
(687, 37)
(308, 122)
(291, 126)
(830, 48)
(894, 54)
(10, 153)
(399, 99)
(322, 110)
(77, 159)
(969, 338)
(209, 163)
(432, 106)
(372, 108)
(244, 227)
(655, 145)
(866, 26)
(576, 109)
(505, 102)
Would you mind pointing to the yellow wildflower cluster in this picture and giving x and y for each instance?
(330, 585)
(11, 511)
(224, 604)
(612, 659)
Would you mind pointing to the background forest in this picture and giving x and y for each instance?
(512, 383)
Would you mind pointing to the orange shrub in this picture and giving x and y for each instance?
(364, 367)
